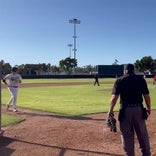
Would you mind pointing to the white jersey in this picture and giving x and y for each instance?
(13, 80)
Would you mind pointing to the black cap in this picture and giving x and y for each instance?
(129, 67)
(14, 69)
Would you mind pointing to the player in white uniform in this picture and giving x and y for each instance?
(13, 80)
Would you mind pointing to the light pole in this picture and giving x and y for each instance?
(74, 21)
(1, 132)
(70, 45)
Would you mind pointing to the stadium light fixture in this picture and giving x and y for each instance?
(75, 21)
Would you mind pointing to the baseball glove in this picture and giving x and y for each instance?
(111, 123)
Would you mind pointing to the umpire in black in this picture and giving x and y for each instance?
(132, 89)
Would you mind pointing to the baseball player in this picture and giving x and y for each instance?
(96, 80)
(154, 81)
(13, 80)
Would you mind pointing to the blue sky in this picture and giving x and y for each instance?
(38, 31)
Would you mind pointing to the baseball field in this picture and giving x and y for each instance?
(64, 117)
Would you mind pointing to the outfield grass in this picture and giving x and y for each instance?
(69, 100)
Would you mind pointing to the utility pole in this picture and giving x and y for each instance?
(70, 45)
(74, 21)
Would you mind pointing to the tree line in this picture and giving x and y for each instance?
(69, 66)
(146, 64)
(66, 66)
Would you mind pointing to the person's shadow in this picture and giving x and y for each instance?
(5, 151)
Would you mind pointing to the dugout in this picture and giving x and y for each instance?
(110, 70)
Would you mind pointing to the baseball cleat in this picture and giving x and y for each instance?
(15, 110)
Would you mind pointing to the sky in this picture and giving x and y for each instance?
(38, 31)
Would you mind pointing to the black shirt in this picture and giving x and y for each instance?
(130, 88)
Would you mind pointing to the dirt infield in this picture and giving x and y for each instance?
(44, 134)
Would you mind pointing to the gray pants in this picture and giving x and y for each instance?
(133, 122)
(13, 99)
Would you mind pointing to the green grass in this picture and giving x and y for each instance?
(69, 100)
(8, 120)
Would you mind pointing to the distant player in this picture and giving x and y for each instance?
(96, 80)
(154, 80)
(12, 80)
